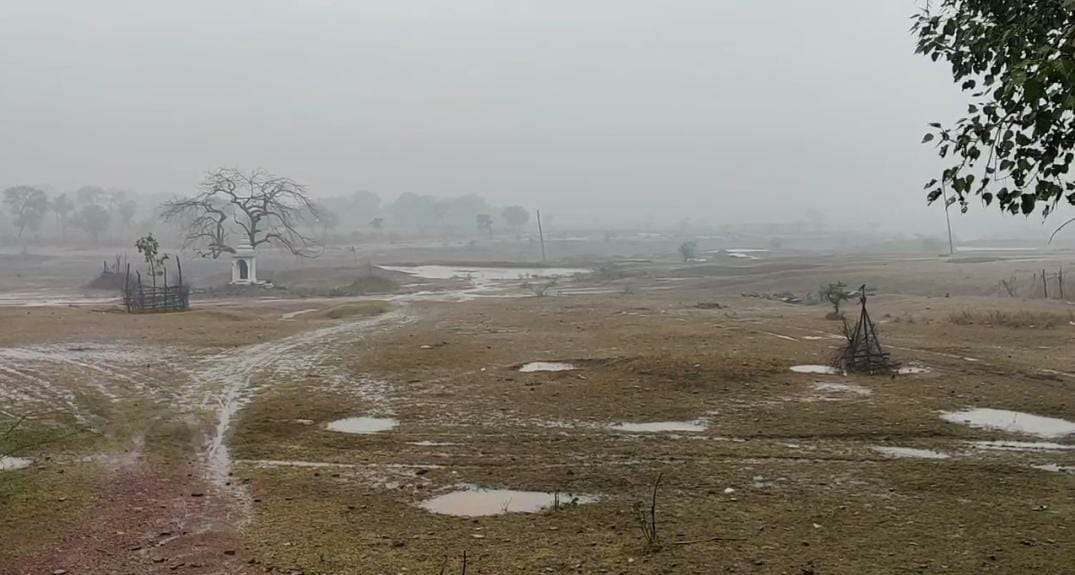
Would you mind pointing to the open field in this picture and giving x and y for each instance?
(205, 442)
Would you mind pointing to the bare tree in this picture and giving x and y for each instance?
(205, 221)
(258, 206)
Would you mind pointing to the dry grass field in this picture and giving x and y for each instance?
(329, 435)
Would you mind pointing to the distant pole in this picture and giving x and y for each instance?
(948, 220)
(1044, 284)
(127, 289)
(541, 234)
(1060, 278)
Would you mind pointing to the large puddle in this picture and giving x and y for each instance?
(1014, 421)
(363, 425)
(535, 366)
(661, 427)
(910, 453)
(820, 369)
(483, 274)
(842, 389)
(13, 463)
(49, 297)
(474, 501)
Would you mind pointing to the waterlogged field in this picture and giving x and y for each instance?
(395, 433)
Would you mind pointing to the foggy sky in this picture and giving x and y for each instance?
(724, 111)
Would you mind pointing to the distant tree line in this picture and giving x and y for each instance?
(410, 213)
(90, 212)
(221, 214)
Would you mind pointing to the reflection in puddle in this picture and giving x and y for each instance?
(546, 366)
(473, 501)
(914, 370)
(13, 463)
(1013, 421)
(661, 426)
(363, 425)
(847, 388)
(910, 452)
(823, 369)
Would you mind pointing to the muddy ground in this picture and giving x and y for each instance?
(200, 442)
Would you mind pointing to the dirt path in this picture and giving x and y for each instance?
(153, 516)
(237, 374)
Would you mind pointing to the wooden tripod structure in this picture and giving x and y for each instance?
(862, 353)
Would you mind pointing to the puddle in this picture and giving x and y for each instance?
(992, 249)
(295, 314)
(661, 427)
(484, 274)
(1021, 446)
(914, 370)
(473, 501)
(1055, 468)
(13, 463)
(47, 297)
(910, 452)
(744, 253)
(822, 369)
(847, 388)
(363, 425)
(1013, 421)
(535, 366)
(813, 337)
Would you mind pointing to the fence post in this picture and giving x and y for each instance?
(1044, 284)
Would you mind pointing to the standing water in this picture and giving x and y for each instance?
(363, 425)
(1014, 421)
(546, 366)
(474, 501)
(820, 369)
(13, 463)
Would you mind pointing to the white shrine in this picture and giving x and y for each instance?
(244, 268)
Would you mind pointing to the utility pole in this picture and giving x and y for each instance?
(951, 246)
(541, 234)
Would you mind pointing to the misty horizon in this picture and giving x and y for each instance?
(607, 114)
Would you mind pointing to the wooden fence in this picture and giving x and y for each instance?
(153, 298)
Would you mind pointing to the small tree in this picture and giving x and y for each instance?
(27, 207)
(835, 294)
(149, 247)
(688, 250)
(516, 217)
(485, 224)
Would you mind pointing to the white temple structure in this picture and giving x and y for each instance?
(244, 268)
